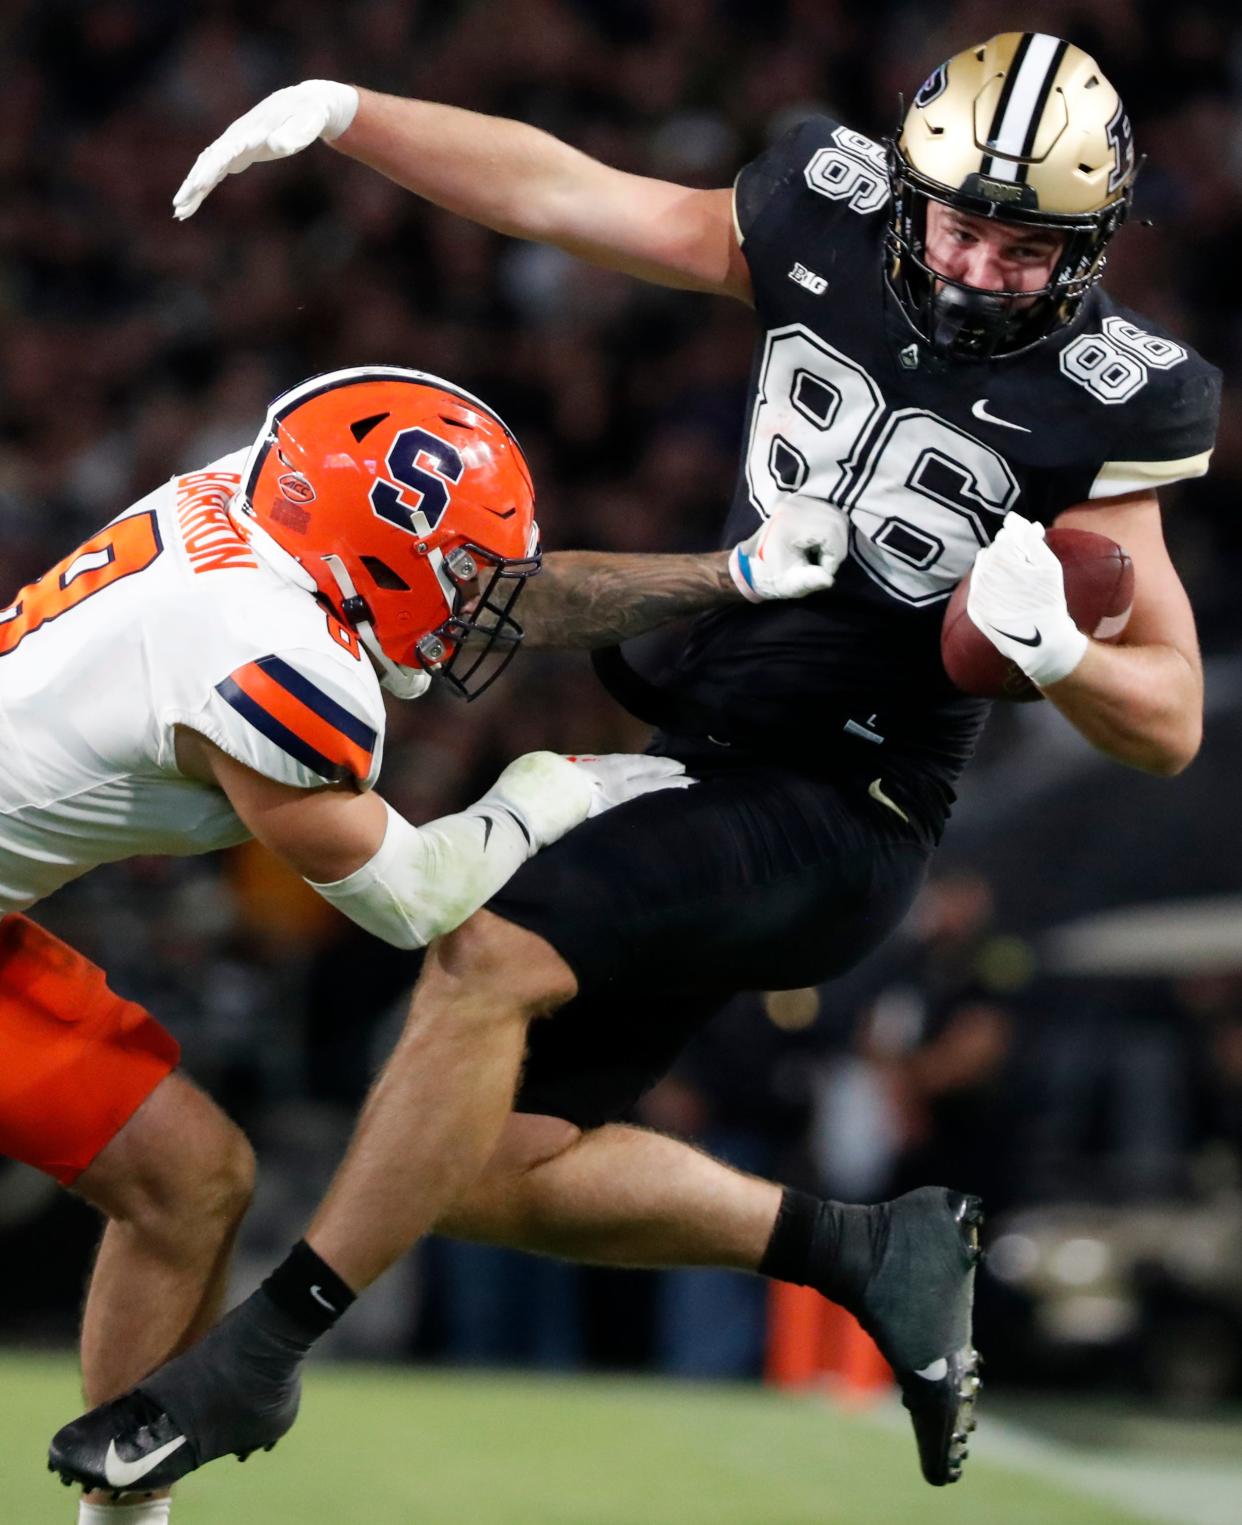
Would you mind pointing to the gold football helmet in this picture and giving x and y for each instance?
(1026, 129)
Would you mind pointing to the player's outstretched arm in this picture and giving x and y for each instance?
(1139, 700)
(586, 599)
(409, 884)
(504, 174)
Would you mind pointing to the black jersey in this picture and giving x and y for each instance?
(925, 455)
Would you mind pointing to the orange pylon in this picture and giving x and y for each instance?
(811, 1340)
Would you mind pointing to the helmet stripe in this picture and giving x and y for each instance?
(1037, 111)
(1011, 76)
(1021, 106)
(328, 380)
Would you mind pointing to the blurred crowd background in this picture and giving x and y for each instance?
(1058, 1026)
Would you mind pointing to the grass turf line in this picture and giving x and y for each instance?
(420, 1448)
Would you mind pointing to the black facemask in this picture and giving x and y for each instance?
(962, 322)
(972, 323)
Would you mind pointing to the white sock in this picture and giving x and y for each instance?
(141, 1512)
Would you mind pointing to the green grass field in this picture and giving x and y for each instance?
(415, 1448)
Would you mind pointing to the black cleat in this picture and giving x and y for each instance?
(917, 1306)
(128, 1445)
(235, 1392)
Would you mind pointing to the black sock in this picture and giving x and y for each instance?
(308, 1290)
(788, 1255)
(830, 1246)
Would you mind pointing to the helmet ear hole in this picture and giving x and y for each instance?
(384, 575)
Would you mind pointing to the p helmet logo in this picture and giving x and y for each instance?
(933, 86)
(1121, 141)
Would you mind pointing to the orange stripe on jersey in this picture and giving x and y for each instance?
(301, 719)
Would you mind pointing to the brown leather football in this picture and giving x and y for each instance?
(1099, 592)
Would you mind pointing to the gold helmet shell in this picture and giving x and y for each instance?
(1025, 129)
(1024, 121)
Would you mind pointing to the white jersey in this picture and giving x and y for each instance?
(165, 618)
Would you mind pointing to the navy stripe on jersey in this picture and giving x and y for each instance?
(315, 699)
(291, 711)
(284, 738)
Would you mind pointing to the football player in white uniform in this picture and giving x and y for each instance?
(210, 666)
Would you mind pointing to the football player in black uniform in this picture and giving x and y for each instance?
(937, 361)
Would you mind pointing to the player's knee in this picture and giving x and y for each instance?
(529, 1140)
(513, 969)
(196, 1193)
(504, 1205)
(179, 1169)
(228, 1187)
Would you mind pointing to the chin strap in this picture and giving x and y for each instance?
(404, 682)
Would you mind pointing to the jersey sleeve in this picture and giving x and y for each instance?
(298, 718)
(764, 178)
(780, 174)
(805, 209)
(1168, 437)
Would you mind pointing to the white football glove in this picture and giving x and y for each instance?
(796, 551)
(622, 776)
(281, 124)
(550, 795)
(1017, 599)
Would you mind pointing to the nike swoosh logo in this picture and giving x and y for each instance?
(980, 410)
(124, 1474)
(876, 790)
(936, 1372)
(488, 823)
(1022, 640)
(315, 1291)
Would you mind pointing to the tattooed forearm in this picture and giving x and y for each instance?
(594, 598)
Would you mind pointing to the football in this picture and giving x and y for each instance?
(1099, 591)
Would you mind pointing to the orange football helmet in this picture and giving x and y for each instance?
(407, 506)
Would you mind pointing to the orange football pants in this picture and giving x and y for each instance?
(76, 1061)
